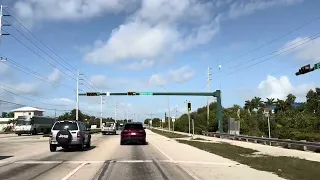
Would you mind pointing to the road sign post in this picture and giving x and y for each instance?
(173, 120)
(216, 94)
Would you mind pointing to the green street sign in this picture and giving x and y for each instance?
(317, 66)
(146, 93)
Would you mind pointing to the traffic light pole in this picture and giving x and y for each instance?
(216, 94)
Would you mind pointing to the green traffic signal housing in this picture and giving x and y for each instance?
(189, 106)
(316, 66)
(93, 94)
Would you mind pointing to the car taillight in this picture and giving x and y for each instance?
(78, 134)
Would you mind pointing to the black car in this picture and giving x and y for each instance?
(133, 132)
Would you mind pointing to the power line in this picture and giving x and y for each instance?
(25, 92)
(4, 101)
(31, 99)
(278, 50)
(38, 55)
(30, 72)
(273, 40)
(259, 62)
(16, 19)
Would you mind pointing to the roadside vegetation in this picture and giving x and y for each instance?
(290, 120)
(168, 134)
(286, 167)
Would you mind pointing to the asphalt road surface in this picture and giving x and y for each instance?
(28, 157)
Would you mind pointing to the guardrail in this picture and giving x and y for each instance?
(286, 143)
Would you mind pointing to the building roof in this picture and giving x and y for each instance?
(26, 109)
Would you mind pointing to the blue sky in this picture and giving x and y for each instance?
(141, 45)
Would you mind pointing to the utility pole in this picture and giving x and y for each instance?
(115, 112)
(77, 97)
(55, 113)
(100, 111)
(1, 25)
(208, 98)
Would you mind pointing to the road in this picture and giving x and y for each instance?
(29, 158)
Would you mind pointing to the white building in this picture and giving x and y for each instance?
(27, 111)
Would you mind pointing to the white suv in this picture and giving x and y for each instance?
(109, 128)
(69, 133)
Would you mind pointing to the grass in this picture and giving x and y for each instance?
(286, 167)
(201, 139)
(168, 134)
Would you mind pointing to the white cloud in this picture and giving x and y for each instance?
(55, 75)
(149, 35)
(4, 69)
(62, 101)
(280, 88)
(100, 81)
(306, 52)
(246, 7)
(139, 65)
(180, 75)
(31, 11)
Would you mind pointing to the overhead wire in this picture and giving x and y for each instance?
(273, 40)
(264, 60)
(30, 72)
(306, 39)
(17, 20)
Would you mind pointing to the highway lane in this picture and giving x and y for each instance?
(105, 160)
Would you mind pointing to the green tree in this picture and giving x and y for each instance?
(4, 114)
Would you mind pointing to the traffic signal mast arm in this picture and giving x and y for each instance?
(307, 68)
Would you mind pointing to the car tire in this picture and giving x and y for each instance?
(19, 134)
(88, 145)
(121, 142)
(53, 148)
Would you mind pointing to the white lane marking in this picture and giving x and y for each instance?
(133, 161)
(38, 162)
(207, 163)
(187, 171)
(74, 171)
(125, 161)
(161, 152)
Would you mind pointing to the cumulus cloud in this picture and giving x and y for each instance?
(241, 8)
(148, 35)
(307, 51)
(180, 75)
(101, 81)
(139, 65)
(273, 87)
(62, 101)
(31, 11)
(55, 75)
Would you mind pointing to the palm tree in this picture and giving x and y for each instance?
(248, 105)
(257, 102)
(270, 102)
(290, 99)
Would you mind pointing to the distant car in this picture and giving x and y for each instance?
(69, 133)
(133, 132)
(109, 128)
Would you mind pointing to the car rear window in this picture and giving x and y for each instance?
(65, 125)
(133, 126)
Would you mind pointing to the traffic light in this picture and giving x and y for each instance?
(131, 93)
(93, 94)
(189, 106)
(305, 69)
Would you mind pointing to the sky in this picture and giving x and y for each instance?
(253, 48)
